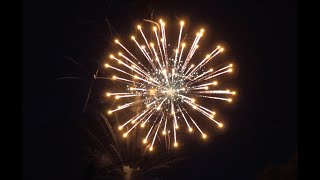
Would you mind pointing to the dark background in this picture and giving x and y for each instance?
(261, 37)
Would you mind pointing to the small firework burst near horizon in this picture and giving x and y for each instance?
(165, 89)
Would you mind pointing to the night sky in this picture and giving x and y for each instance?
(261, 39)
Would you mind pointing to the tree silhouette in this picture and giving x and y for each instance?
(287, 171)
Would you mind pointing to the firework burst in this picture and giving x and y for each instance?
(166, 87)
